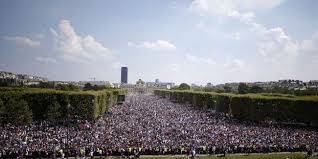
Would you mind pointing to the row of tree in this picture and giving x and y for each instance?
(15, 111)
(24, 105)
(63, 87)
(182, 86)
(255, 107)
(89, 86)
(243, 88)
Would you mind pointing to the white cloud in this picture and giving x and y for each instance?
(195, 59)
(257, 4)
(2, 66)
(242, 10)
(308, 45)
(53, 32)
(218, 7)
(174, 67)
(22, 40)
(315, 36)
(279, 54)
(45, 60)
(235, 36)
(200, 25)
(233, 64)
(75, 47)
(246, 17)
(226, 8)
(284, 55)
(276, 44)
(277, 47)
(116, 65)
(272, 43)
(158, 45)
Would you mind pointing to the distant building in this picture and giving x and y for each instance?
(116, 85)
(98, 83)
(15, 79)
(157, 80)
(209, 85)
(140, 83)
(124, 75)
(313, 82)
(162, 85)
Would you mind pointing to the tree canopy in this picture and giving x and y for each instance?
(18, 111)
(243, 88)
(184, 86)
(53, 113)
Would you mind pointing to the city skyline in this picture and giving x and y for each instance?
(199, 41)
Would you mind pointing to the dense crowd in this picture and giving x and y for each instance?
(146, 124)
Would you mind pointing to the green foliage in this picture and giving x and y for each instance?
(43, 85)
(49, 104)
(1, 107)
(88, 87)
(227, 89)
(207, 89)
(2, 111)
(255, 107)
(243, 88)
(53, 113)
(256, 89)
(284, 90)
(67, 87)
(18, 112)
(278, 95)
(10, 82)
(184, 86)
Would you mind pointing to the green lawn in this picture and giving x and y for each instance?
(252, 156)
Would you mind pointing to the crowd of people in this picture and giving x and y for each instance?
(146, 124)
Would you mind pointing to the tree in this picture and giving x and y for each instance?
(242, 88)
(87, 86)
(53, 113)
(67, 87)
(42, 85)
(184, 86)
(227, 89)
(18, 112)
(256, 89)
(219, 91)
(95, 87)
(2, 111)
(1, 107)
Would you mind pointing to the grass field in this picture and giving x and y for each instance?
(239, 156)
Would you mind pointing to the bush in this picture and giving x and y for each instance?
(53, 113)
(254, 107)
(18, 112)
(48, 104)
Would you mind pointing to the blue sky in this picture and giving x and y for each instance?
(196, 41)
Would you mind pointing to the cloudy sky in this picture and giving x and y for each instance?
(196, 41)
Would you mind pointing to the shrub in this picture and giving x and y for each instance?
(48, 104)
(255, 107)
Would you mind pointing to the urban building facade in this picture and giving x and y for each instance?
(124, 75)
(15, 79)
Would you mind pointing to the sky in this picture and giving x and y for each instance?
(191, 41)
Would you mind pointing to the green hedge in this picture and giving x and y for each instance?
(84, 104)
(253, 107)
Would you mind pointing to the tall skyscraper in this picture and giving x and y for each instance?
(124, 75)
